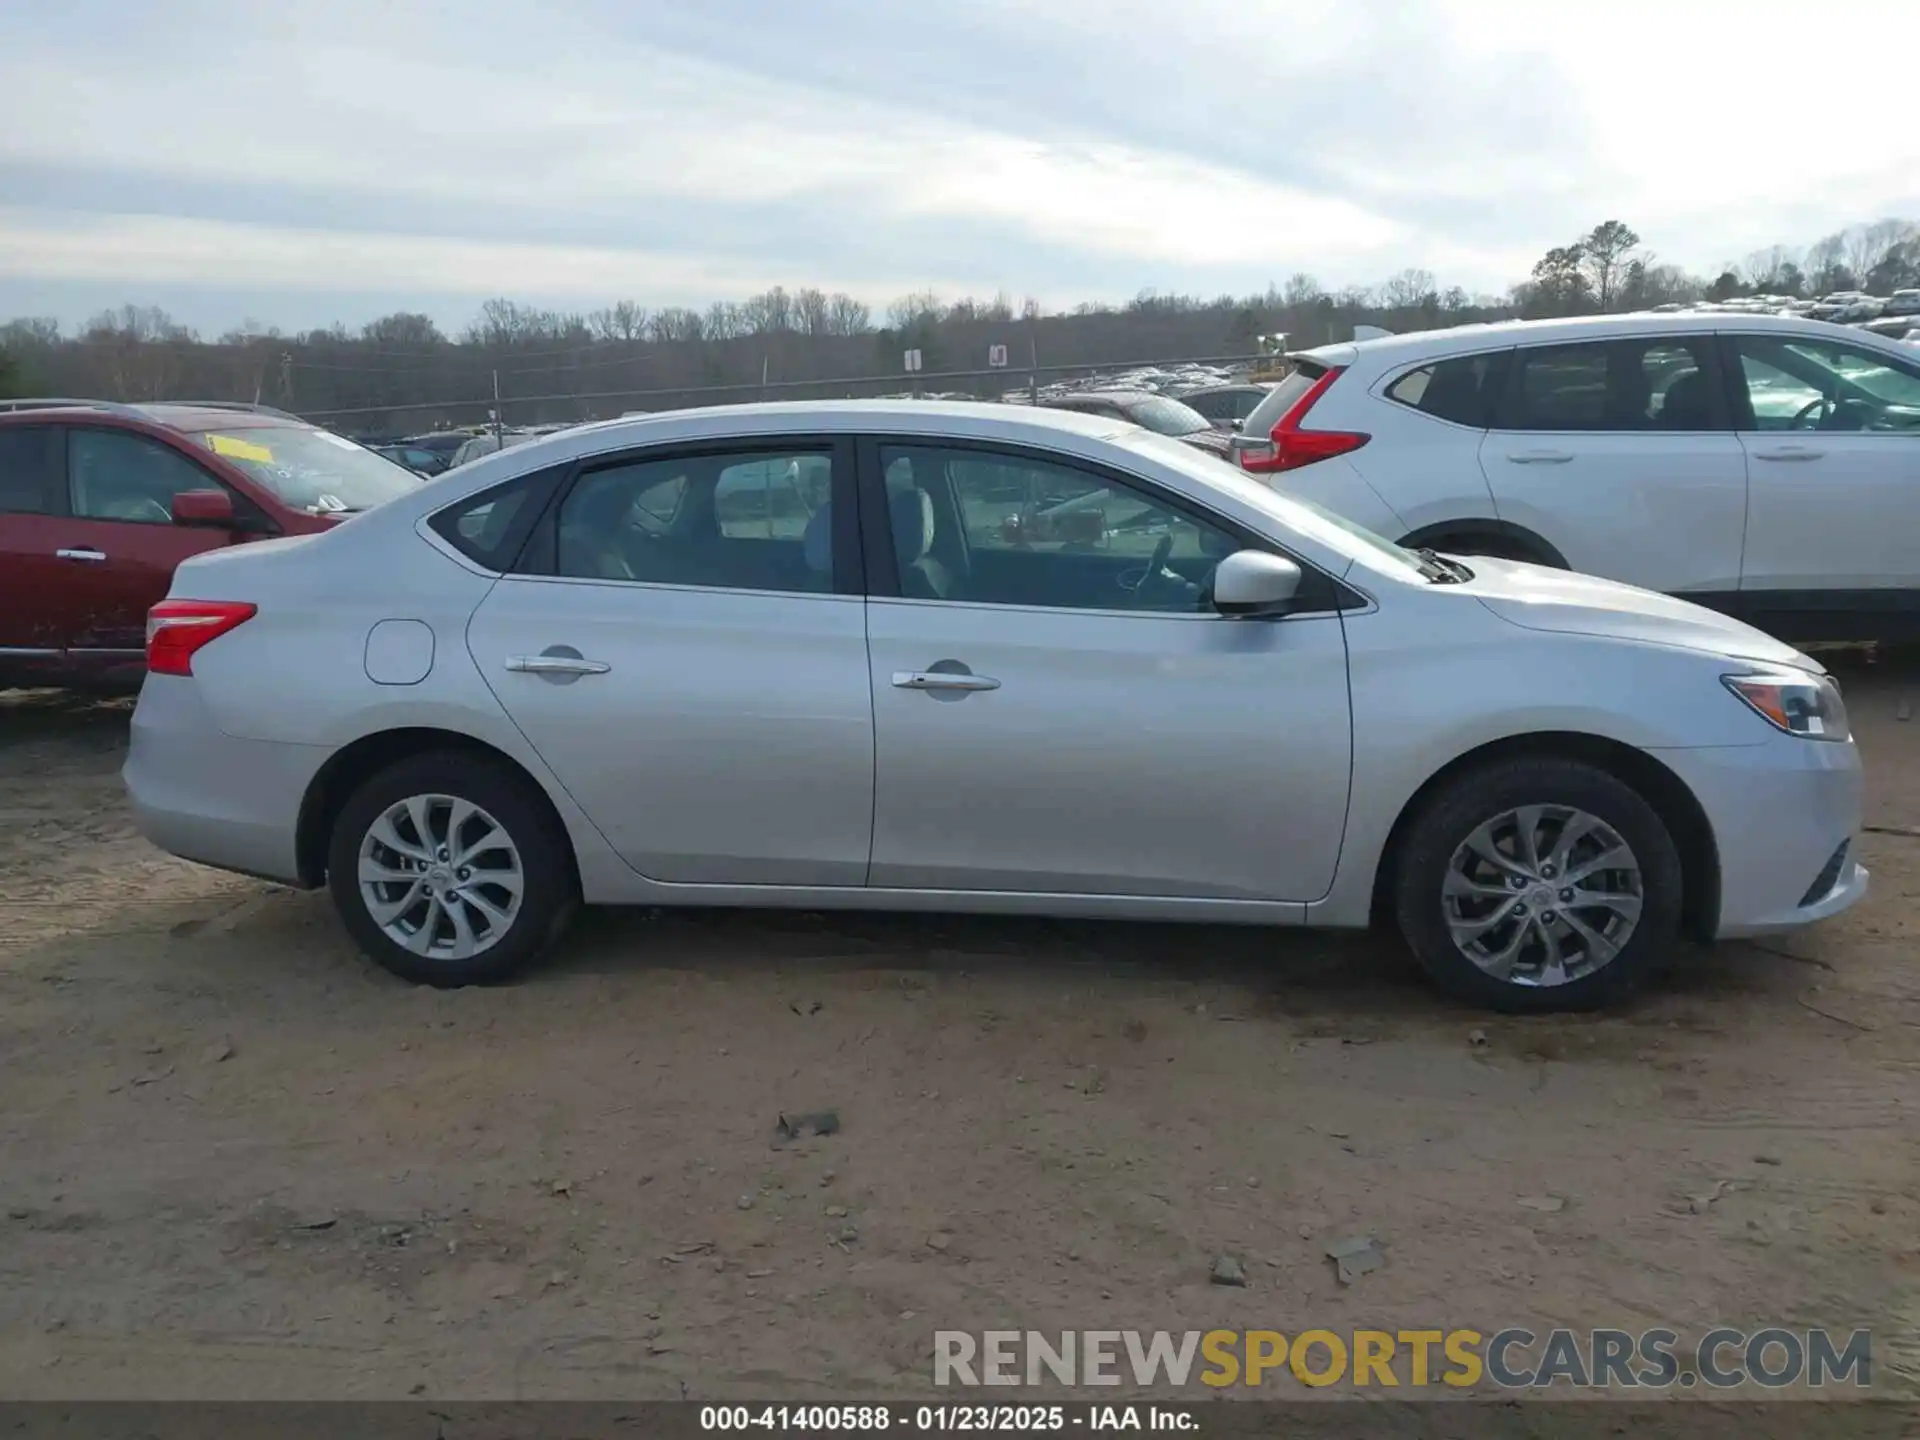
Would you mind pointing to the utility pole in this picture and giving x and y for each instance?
(1033, 361)
(498, 439)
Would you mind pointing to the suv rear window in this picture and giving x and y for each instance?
(1460, 389)
(1282, 397)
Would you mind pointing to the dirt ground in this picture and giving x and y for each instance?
(238, 1161)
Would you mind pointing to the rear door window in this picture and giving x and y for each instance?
(1650, 383)
(32, 470)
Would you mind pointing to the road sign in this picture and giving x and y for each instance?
(996, 355)
(913, 359)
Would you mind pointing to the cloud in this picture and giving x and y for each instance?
(1080, 149)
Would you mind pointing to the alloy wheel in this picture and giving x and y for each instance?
(1541, 895)
(441, 876)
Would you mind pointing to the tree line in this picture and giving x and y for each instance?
(401, 373)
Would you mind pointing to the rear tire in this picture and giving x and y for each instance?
(1599, 890)
(451, 869)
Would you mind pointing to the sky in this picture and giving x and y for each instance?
(295, 163)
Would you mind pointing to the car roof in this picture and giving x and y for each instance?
(1465, 339)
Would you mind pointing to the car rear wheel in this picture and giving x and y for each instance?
(1533, 885)
(450, 870)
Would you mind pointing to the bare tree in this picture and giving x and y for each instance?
(848, 316)
(811, 313)
(402, 328)
(1602, 256)
(624, 321)
(1410, 290)
(1302, 290)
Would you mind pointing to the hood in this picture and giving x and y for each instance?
(1536, 597)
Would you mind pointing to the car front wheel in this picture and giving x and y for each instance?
(450, 870)
(1539, 884)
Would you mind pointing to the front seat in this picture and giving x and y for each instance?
(922, 575)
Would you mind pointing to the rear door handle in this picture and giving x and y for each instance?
(85, 554)
(941, 680)
(556, 665)
(1789, 452)
(1538, 457)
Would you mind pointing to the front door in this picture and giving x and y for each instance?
(682, 653)
(1058, 709)
(1832, 437)
(1620, 454)
(120, 544)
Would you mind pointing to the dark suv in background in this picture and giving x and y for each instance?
(100, 501)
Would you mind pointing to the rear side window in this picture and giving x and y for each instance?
(32, 470)
(489, 528)
(1282, 397)
(1656, 383)
(1461, 389)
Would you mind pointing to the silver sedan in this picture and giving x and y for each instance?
(953, 657)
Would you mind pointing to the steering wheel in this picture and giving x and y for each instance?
(1820, 403)
(1154, 566)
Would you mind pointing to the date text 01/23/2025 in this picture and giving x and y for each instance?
(966, 1419)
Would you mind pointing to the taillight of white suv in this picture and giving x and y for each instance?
(1288, 444)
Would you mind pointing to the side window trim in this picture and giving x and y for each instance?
(883, 572)
(537, 557)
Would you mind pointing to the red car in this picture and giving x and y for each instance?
(100, 501)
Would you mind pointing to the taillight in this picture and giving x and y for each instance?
(1290, 447)
(177, 628)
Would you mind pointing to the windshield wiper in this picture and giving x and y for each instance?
(1439, 569)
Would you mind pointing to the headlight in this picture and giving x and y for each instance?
(1798, 703)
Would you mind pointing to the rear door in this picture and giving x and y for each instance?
(1832, 437)
(1620, 454)
(684, 642)
(120, 542)
(36, 608)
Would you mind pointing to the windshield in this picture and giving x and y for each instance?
(1336, 532)
(312, 469)
(1166, 417)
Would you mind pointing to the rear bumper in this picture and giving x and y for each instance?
(208, 796)
(1780, 812)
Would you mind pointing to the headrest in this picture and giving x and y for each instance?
(912, 514)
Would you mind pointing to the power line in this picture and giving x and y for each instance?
(1006, 374)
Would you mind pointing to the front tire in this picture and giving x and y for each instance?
(1539, 884)
(450, 869)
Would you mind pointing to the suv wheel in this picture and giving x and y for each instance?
(450, 870)
(1537, 884)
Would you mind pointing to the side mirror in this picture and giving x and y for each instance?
(1252, 583)
(206, 509)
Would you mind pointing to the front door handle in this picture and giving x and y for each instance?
(942, 680)
(85, 554)
(1538, 457)
(1789, 452)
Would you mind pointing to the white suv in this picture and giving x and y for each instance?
(1765, 465)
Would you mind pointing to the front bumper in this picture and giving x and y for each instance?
(1779, 811)
(208, 796)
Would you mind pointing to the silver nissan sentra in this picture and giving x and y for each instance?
(917, 656)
